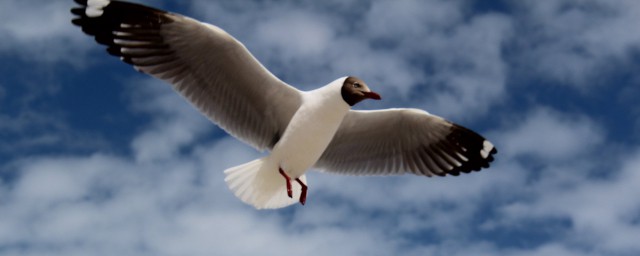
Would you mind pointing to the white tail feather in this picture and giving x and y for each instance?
(261, 185)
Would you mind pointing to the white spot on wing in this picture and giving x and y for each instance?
(94, 8)
(93, 13)
(486, 148)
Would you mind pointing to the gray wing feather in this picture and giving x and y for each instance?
(203, 63)
(398, 141)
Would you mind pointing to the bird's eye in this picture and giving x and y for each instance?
(356, 85)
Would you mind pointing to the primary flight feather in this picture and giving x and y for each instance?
(301, 129)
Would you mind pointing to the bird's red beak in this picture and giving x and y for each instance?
(372, 95)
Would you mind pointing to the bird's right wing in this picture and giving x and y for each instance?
(207, 66)
(398, 141)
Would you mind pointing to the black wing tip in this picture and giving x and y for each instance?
(116, 12)
(120, 24)
(478, 151)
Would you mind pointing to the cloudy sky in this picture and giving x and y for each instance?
(97, 159)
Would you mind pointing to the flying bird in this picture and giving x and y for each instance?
(301, 129)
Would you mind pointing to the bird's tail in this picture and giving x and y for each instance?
(260, 184)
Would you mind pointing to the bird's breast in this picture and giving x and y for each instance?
(309, 133)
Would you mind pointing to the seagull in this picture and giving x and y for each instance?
(300, 129)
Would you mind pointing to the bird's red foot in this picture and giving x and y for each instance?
(286, 178)
(303, 195)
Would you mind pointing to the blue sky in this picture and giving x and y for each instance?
(97, 159)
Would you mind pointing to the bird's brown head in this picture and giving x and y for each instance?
(355, 90)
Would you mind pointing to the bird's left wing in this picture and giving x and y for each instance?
(203, 63)
(397, 141)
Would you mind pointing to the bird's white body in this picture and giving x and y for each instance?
(308, 134)
(311, 129)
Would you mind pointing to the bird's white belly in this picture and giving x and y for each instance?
(309, 133)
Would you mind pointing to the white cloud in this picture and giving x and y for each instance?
(181, 126)
(470, 66)
(308, 35)
(575, 42)
(41, 31)
(29, 129)
(573, 189)
(550, 136)
(575, 181)
(406, 20)
(602, 212)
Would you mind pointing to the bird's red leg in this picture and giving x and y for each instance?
(303, 196)
(286, 177)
